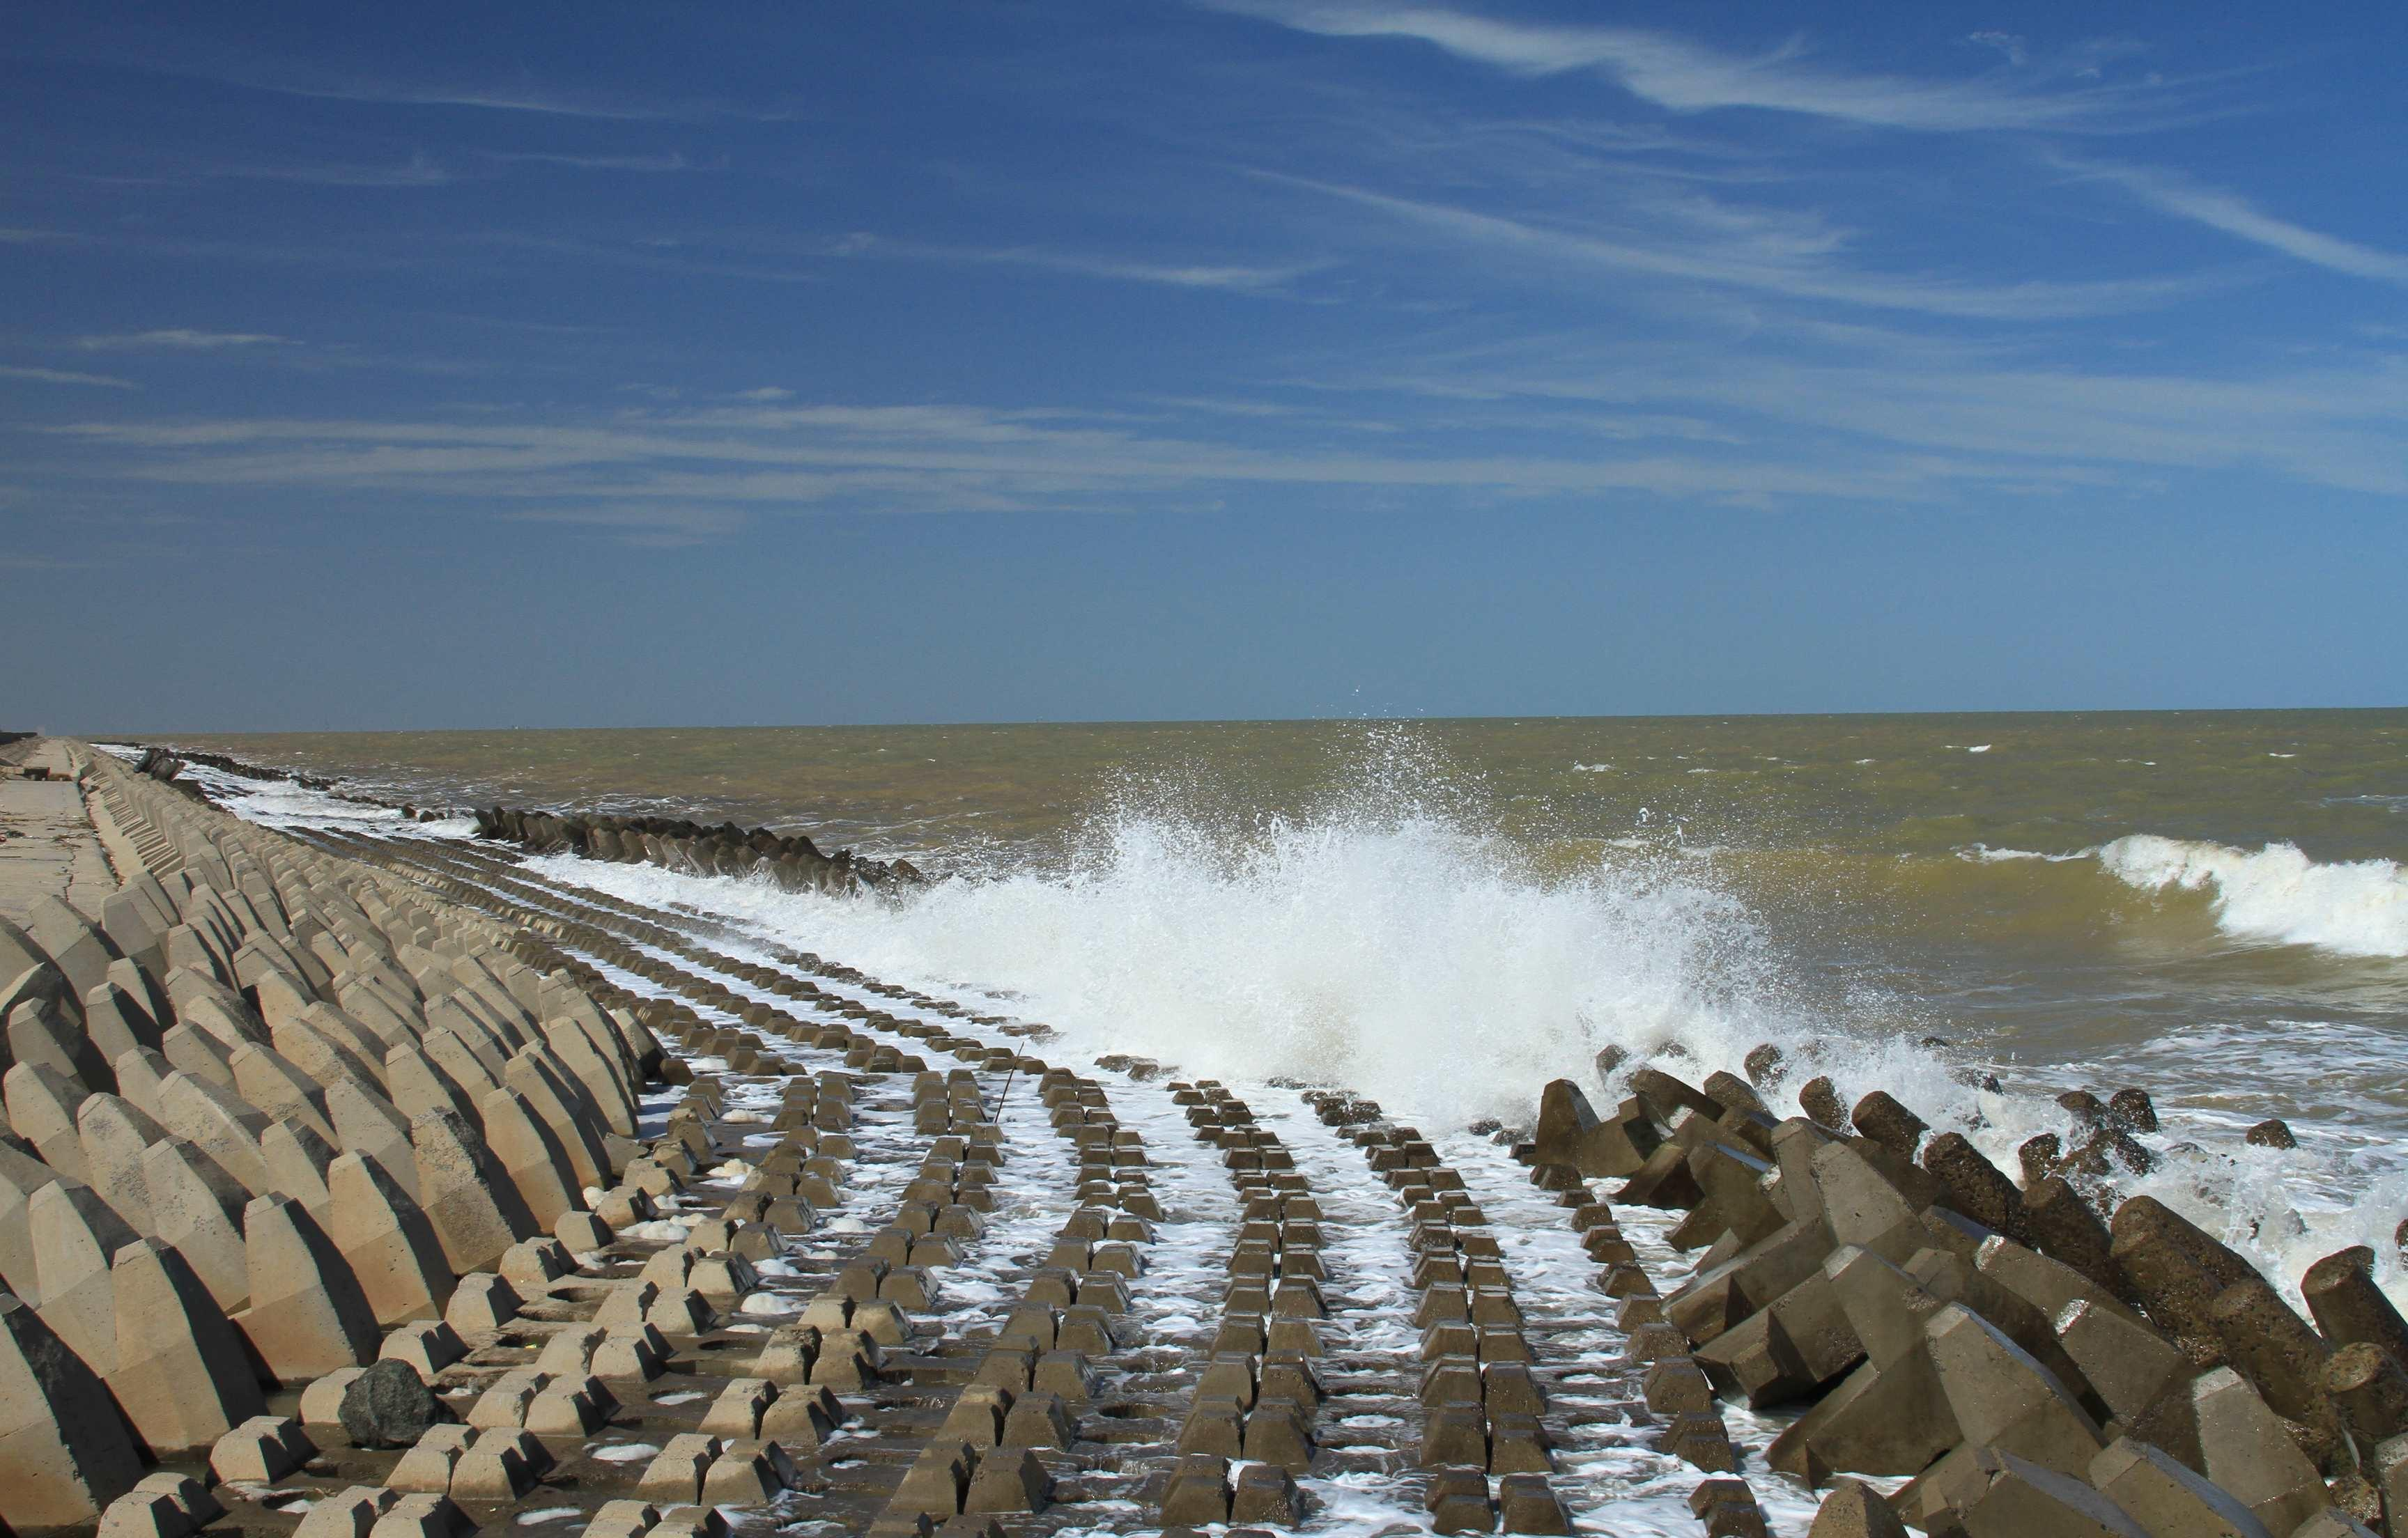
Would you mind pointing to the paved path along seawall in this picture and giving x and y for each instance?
(365, 1180)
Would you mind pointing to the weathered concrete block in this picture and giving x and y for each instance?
(63, 1454)
(307, 1315)
(196, 1206)
(2003, 1398)
(387, 1241)
(2244, 1447)
(2166, 1499)
(2009, 1497)
(181, 1376)
(261, 1450)
(1854, 1510)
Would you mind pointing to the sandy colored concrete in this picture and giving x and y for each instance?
(48, 848)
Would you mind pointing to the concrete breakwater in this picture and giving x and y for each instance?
(2030, 1364)
(790, 860)
(822, 1249)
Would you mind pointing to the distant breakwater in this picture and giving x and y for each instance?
(792, 860)
(676, 843)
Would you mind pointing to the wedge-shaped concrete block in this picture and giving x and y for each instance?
(261, 1450)
(75, 945)
(623, 1519)
(2245, 1448)
(322, 1403)
(145, 1514)
(428, 1345)
(75, 1236)
(113, 1133)
(530, 1157)
(387, 1240)
(351, 1513)
(747, 1472)
(1856, 1510)
(2009, 1497)
(2129, 1364)
(481, 1303)
(495, 1466)
(2166, 1499)
(570, 1407)
(675, 1472)
(63, 1454)
(298, 1161)
(181, 1376)
(737, 1412)
(213, 1119)
(307, 1315)
(422, 1516)
(197, 1207)
(41, 1099)
(477, 1213)
(2003, 1398)
(427, 1467)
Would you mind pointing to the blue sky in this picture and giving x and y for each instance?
(605, 364)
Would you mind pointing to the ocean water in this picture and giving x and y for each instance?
(1446, 913)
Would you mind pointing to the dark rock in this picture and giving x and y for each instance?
(389, 1407)
(2272, 1132)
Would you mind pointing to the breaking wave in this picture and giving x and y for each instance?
(2277, 893)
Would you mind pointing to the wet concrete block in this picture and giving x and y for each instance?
(1008, 1481)
(1458, 1502)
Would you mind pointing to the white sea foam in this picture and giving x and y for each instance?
(2277, 893)
(1387, 945)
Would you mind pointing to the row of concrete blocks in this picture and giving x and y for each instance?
(1482, 1404)
(1837, 1265)
(1036, 1373)
(267, 1253)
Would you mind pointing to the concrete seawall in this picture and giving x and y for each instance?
(380, 1183)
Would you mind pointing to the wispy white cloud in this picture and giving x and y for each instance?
(672, 162)
(1684, 76)
(62, 376)
(420, 170)
(2171, 193)
(1235, 278)
(1780, 258)
(182, 339)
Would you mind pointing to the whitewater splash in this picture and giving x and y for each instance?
(2277, 893)
(1390, 942)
